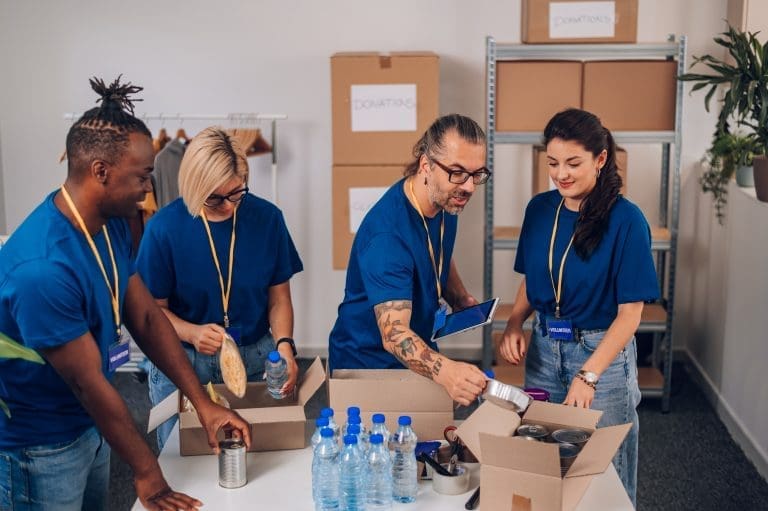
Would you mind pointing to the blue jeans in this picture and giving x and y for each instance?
(66, 476)
(552, 365)
(207, 369)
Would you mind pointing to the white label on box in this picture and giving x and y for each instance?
(581, 19)
(360, 201)
(384, 107)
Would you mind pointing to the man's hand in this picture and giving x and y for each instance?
(513, 345)
(207, 338)
(292, 368)
(155, 494)
(464, 302)
(463, 382)
(214, 417)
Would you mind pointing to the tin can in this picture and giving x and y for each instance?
(232, 463)
(575, 436)
(568, 453)
(533, 432)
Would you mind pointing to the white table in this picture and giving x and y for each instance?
(282, 481)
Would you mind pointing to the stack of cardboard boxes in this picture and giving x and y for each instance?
(381, 105)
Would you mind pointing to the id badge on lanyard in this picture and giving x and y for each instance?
(560, 329)
(235, 332)
(119, 353)
(440, 315)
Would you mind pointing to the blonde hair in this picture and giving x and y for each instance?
(212, 158)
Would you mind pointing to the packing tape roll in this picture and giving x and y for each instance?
(451, 485)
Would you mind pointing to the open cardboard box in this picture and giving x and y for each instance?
(517, 473)
(393, 392)
(275, 424)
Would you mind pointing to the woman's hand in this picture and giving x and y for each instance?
(580, 394)
(513, 344)
(286, 352)
(207, 338)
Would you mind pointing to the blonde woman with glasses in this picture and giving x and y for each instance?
(219, 260)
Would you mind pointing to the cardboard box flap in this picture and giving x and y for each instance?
(311, 381)
(270, 415)
(391, 388)
(517, 453)
(599, 450)
(164, 410)
(490, 419)
(551, 413)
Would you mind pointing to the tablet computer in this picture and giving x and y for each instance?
(467, 319)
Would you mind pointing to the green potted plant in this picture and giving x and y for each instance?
(11, 349)
(744, 82)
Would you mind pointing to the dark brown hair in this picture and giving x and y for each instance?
(432, 139)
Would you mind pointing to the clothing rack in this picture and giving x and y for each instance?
(233, 118)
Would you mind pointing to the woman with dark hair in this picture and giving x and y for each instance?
(585, 253)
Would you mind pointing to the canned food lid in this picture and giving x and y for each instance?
(532, 430)
(571, 436)
(231, 443)
(568, 450)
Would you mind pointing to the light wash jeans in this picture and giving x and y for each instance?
(207, 369)
(552, 365)
(66, 476)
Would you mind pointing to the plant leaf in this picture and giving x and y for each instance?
(11, 349)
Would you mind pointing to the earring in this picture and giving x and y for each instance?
(597, 175)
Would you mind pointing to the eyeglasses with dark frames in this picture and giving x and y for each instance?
(214, 200)
(459, 177)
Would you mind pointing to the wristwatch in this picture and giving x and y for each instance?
(289, 341)
(588, 377)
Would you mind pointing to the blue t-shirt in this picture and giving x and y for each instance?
(176, 263)
(52, 292)
(620, 270)
(389, 261)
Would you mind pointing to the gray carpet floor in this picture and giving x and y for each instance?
(688, 461)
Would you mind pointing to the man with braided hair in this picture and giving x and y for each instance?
(67, 282)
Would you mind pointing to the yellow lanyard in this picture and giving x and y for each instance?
(559, 289)
(114, 292)
(438, 268)
(225, 292)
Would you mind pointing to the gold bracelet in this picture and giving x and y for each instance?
(591, 384)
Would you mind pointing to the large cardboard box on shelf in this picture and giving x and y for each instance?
(578, 21)
(381, 105)
(517, 470)
(530, 92)
(632, 95)
(542, 182)
(393, 392)
(275, 424)
(355, 189)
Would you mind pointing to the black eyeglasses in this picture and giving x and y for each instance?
(459, 177)
(215, 200)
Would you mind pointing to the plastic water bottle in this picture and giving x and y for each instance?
(320, 422)
(362, 434)
(379, 427)
(378, 482)
(325, 473)
(352, 411)
(404, 484)
(352, 474)
(277, 374)
(328, 413)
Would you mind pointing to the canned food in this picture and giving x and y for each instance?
(533, 432)
(575, 436)
(568, 454)
(232, 463)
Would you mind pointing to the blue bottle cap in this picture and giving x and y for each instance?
(378, 418)
(489, 373)
(326, 432)
(404, 420)
(376, 439)
(326, 412)
(350, 439)
(353, 410)
(353, 429)
(274, 357)
(355, 419)
(321, 422)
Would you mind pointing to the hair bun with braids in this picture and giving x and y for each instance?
(115, 94)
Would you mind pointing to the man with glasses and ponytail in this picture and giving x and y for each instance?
(67, 283)
(402, 276)
(218, 260)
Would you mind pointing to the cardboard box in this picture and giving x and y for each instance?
(579, 21)
(514, 470)
(530, 92)
(393, 392)
(632, 95)
(275, 424)
(355, 190)
(381, 105)
(542, 182)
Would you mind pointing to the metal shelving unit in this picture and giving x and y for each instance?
(657, 318)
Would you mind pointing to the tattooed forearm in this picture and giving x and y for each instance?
(394, 319)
